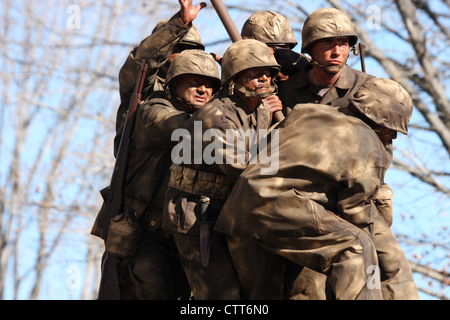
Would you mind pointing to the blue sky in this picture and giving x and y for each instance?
(418, 211)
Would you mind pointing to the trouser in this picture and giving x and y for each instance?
(155, 272)
(396, 277)
(343, 252)
(218, 280)
(397, 282)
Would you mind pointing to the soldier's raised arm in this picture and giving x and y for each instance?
(156, 50)
(188, 11)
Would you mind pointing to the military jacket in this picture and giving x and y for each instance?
(214, 163)
(155, 49)
(150, 158)
(298, 89)
(327, 161)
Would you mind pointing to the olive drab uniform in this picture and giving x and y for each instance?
(387, 104)
(155, 49)
(322, 24)
(156, 268)
(298, 89)
(313, 210)
(191, 180)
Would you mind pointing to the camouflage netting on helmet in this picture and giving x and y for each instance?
(327, 23)
(194, 62)
(269, 27)
(246, 54)
(386, 103)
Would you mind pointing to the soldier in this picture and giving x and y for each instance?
(168, 39)
(316, 210)
(275, 31)
(155, 268)
(199, 187)
(327, 37)
(386, 105)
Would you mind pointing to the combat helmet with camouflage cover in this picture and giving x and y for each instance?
(269, 27)
(385, 102)
(193, 62)
(246, 54)
(243, 55)
(327, 23)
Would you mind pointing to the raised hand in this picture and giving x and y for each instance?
(188, 11)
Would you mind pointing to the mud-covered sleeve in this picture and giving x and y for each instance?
(383, 202)
(354, 201)
(232, 149)
(159, 121)
(155, 49)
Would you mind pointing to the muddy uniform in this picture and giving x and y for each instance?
(210, 171)
(388, 105)
(328, 23)
(151, 268)
(155, 49)
(382, 101)
(298, 89)
(188, 182)
(313, 210)
(155, 269)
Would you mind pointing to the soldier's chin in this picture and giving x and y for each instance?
(197, 106)
(333, 69)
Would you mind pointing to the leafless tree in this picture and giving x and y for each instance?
(59, 62)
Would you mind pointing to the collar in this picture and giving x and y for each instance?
(345, 81)
(257, 118)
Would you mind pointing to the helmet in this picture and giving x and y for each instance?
(246, 54)
(385, 102)
(327, 23)
(269, 27)
(192, 38)
(193, 62)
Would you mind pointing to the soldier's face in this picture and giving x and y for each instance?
(386, 135)
(256, 79)
(194, 89)
(331, 52)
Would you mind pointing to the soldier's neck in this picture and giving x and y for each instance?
(321, 78)
(251, 102)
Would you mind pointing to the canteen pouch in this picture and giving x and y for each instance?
(124, 235)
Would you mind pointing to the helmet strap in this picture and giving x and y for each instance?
(188, 107)
(252, 94)
(331, 69)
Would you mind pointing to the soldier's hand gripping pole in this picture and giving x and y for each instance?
(234, 35)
